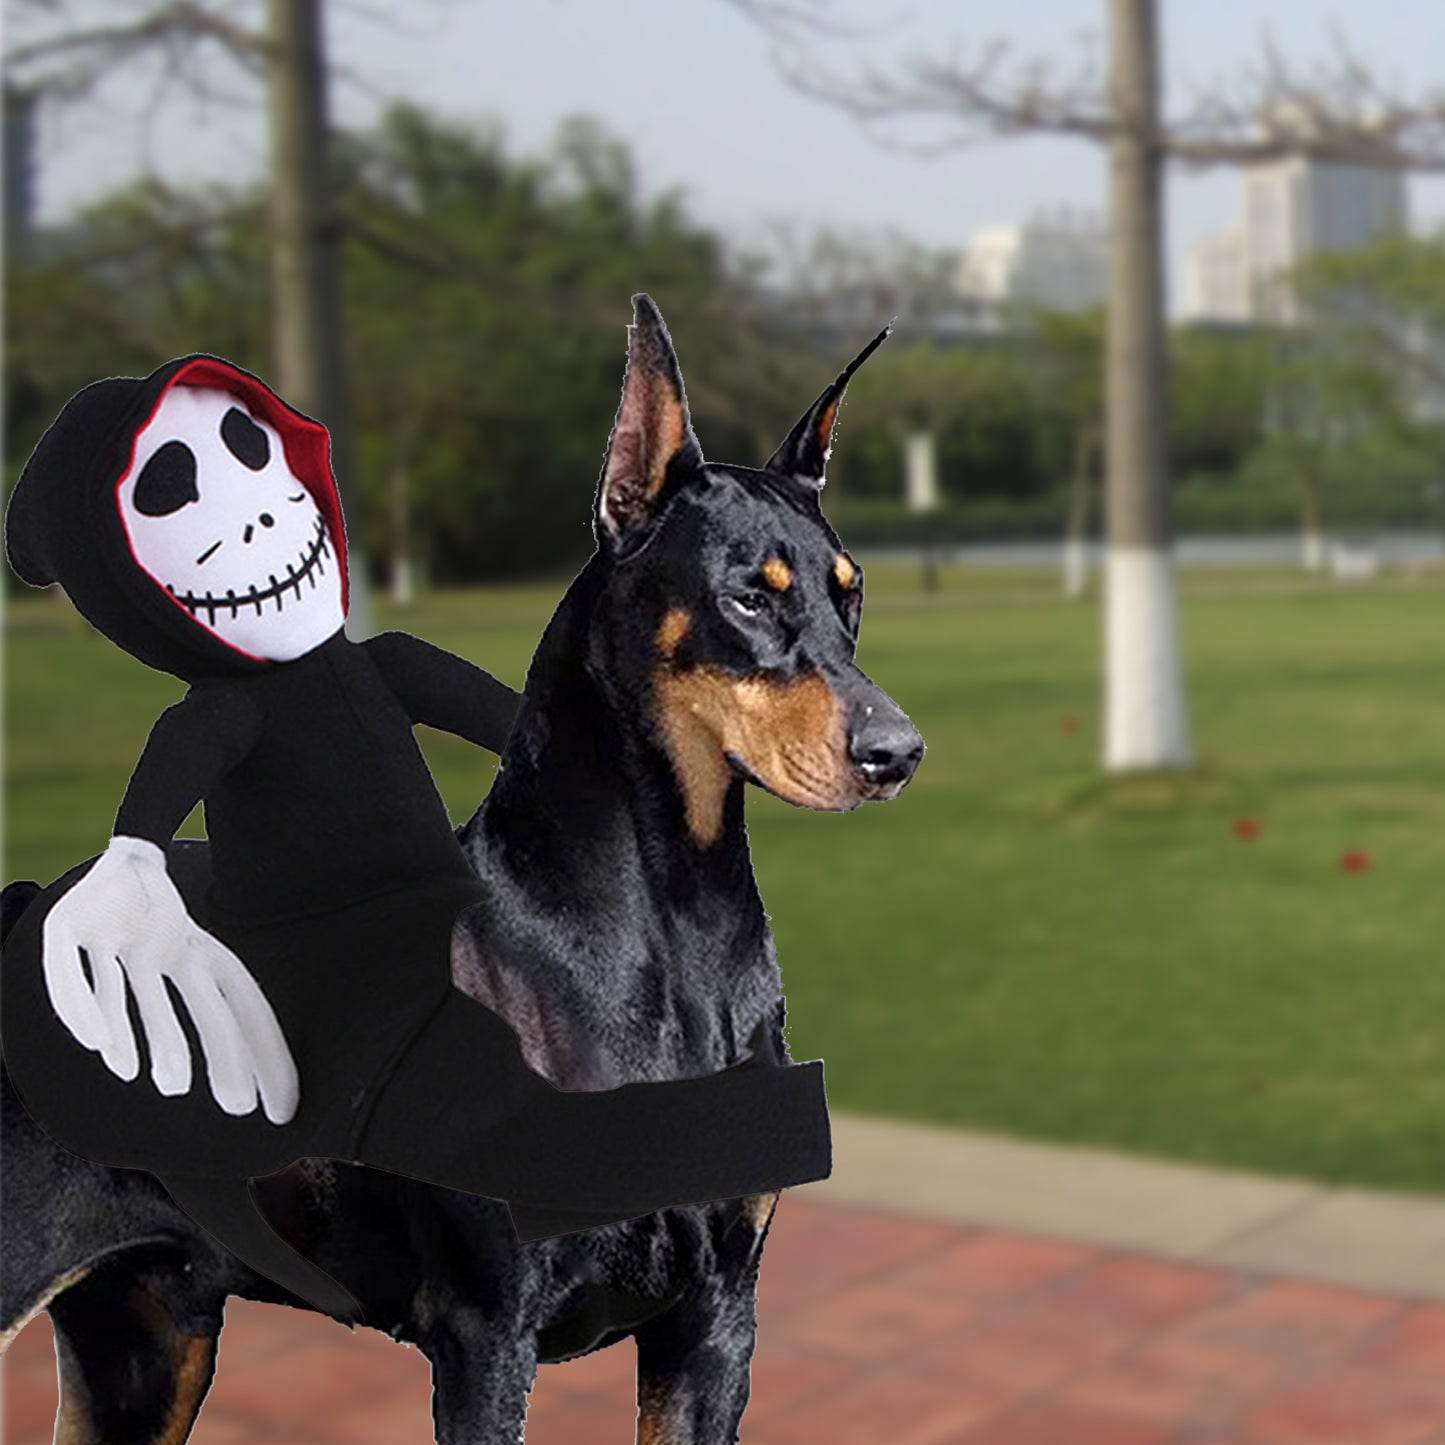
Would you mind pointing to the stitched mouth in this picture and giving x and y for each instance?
(310, 566)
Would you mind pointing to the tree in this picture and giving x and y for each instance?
(1068, 346)
(289, 55)
(141, 276)
(1388, 301)
(1370, 365)
(1320, 397)
(1337, 112)
(486, 301)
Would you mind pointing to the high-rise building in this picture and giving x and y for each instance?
(1056, 260)
(1294, 208)
(1216, 278)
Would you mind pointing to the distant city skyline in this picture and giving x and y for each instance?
(1292, 209)
(693, 92)
(1055, 259)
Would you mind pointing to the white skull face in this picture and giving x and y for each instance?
(217, 518)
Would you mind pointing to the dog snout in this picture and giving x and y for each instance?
(883, 745)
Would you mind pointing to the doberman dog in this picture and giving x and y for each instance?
(708, 644)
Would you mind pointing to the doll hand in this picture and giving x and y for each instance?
(130, 920)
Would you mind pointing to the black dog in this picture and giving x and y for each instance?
(709, 642)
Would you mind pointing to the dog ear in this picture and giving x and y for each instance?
(652, 433)
(805, 452)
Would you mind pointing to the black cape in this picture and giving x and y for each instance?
(332, 870)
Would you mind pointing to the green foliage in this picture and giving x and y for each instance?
(1218, 386)
(999, 432)
(486, 300)
(1011, 414)
(1372, 371)
(145, 275)
(1012, 946)
(486, 297)
(1391, 293)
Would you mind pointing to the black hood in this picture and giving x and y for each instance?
(64, 524)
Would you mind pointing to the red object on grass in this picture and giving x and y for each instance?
(1246, 828)
(1068, 723)
(1355, 861)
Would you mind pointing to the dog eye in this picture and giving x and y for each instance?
(750, 604)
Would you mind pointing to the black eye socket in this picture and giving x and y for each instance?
(167, 481)
(750, 604)
(245, 440)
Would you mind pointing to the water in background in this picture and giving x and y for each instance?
(1390, 548)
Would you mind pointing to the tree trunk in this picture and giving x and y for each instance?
(305, 250)
(401, 578)
(1076, 533)
(1145, 724)
(920, 472)
(1312, 537)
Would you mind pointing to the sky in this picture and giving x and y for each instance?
(693, 88)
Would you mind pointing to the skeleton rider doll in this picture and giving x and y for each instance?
(193, 519)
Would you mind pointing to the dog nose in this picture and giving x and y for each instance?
(884, 746)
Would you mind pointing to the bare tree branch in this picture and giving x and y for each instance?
(1337, 110)
(85, 52)
(68, 63)
(794, 21)
(980, 96)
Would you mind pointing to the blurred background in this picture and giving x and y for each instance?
(1169, 289)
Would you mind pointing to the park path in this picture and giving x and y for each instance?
(885, 1327)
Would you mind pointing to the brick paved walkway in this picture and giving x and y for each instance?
(881, 1330)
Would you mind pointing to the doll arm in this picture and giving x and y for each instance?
(191, 747)
(129, 920)
(445, 691)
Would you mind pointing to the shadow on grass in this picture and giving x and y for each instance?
(1175, 793)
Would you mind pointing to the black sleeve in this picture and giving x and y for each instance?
(445, 691)
(191, 747)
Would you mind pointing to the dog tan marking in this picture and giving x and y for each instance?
(75, 1422)
(759, 1209)
(654, 1427)
(669, 429)
(826, 417)
(789, 736)
(41, 1305)
(651, 429)
(194, 1357)
(845, 571)
(650, 432)
(672, 630)
(192, 1364)
(777, 574)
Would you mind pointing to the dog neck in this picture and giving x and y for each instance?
(604, 897)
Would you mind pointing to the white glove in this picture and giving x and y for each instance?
(130, 920)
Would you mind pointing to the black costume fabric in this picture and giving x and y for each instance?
(331, 869)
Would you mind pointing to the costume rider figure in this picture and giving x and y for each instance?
(193, 518)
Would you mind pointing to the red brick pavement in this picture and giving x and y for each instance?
(879, 1330)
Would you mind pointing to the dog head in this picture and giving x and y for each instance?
(733, 608)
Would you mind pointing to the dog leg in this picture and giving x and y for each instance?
(131, 1372)
(694, 1363)
(483, 1368)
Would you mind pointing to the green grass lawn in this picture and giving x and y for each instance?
(1016, 945)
